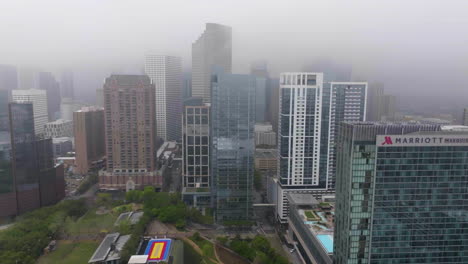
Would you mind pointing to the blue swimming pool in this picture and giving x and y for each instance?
(327, 242)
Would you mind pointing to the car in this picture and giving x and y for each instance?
(292, 250)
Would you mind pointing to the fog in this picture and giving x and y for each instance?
(417, 48)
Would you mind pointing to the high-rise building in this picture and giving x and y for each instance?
(66, 85)
(332, 71)
(380, 106)
(100, 97)
(299, 136)
(39, 100)
(264, 135)
(130, 133)
(232, 145)
(88, 127)
(400, 192)
(273, 92)
(27, 78)
(212, 48)
(68, 106)
(465, 117)
(166, 75)
(187, 85)
(47, 82)
(37, 182)
(58, 128)
(8, 78)
(196, 180)
(4, 99)
(347, 104)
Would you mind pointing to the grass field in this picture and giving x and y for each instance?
(70, 252)
(91, 223)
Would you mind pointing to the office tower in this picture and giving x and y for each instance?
(400, 194)
(259, 69)
(66, 85)
(27, 78)
(388, 107)
(196, 181)
(47, 82)
(265, 137)
(381, 107)
(129, 133)
(332, 71)
(187, 85)
(39, 100)
(166, 75)
(273, 92)
(347, 104)
(68, 106)
(465, 117)
(100, 97)
(8, 78)
(232, 144)
(212, 48)
(58, 128)
(7, 189)
(4, 98)
(88, 127)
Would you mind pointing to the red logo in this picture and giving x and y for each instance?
(387, 141)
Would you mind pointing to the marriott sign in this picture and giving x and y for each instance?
(422, 140)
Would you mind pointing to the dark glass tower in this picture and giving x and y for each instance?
(232, 148)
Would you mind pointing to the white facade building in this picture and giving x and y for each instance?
(264, 135)
(166, 74)
(38, 98)
(347, 104)
(59, 128)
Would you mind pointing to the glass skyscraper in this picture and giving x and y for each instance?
(401, 194)
(232, 144)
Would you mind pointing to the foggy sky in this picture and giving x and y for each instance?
(414, 47)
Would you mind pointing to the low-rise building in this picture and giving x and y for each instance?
(311, 225)
(266, 159)
(109, 250)
(264, 135)
(62, 145)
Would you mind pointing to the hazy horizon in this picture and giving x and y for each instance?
(416, 48)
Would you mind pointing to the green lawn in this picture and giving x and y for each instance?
(70, 253)
(91, 223)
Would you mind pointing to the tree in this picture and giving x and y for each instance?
(260, 243)
(103, 199)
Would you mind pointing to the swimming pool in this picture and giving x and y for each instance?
(327, 242)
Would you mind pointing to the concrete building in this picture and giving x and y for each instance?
(8, 78)
(62, 145)
(129, 133)
(212, 48)
(311, 228)
(47, 82)
(39, 100)
(58, 128)
(88, 126)
(264, 135)
(232, 145)
(401, 186)
(266, 159)
(166, 75)
(196, 180)
(347, 104)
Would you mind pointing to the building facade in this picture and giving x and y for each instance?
(47, 82)
(399, 198)
(8, 78)
(465, 117)
(166, 75)
(62, 145)
(39, 100)
(212, 48)
(264, 135)
(232, 145)
(58, 128)
(347, 104)
(66, 85)
(129, 133)
(90, 147)
(196, 180)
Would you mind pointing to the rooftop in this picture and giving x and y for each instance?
(266, 153)
(59, 121)
(110, 248)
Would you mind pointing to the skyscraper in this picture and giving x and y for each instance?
(400, 194)
(39, 100)
(232, 145)
(130, 133)
(381, 107)
(166, 75)
(48, 83)
(347, 104)
(66, 85)
(88, 126)
(259, 69)
(196, 180)
(465, 117)
(212, 48)
(100, 97)
(299, 136)
(8, 78)
(27, 78)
